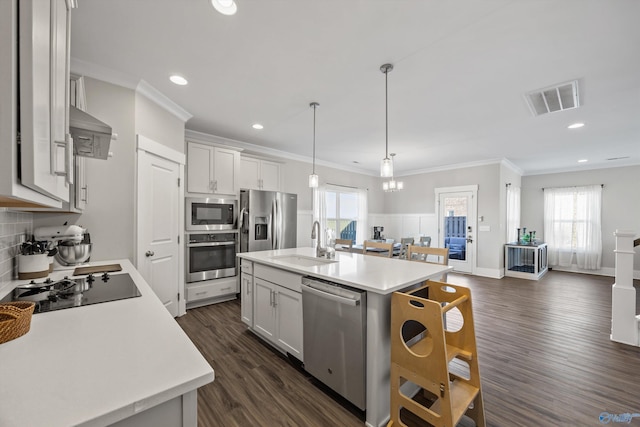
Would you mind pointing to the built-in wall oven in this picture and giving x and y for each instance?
(211, 214)
(211, 255)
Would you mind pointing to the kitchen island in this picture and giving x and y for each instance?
(378, 276)
(124, 362)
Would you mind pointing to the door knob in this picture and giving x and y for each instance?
(149, 253)
(469, 240)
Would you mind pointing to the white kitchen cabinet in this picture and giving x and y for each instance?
(246, 292)
(46, 146)
(264, 309)
(212, 170)
(211, 291)
(35, 44)
(79, 189)
(289, 321)
(277, 309)
(257, 174)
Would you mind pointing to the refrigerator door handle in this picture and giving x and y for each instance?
(274, 241)
(241, 224)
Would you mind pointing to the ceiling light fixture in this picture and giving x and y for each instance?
(257, 126)
(575, 125)
(392, 184)
(583, 161)
(386, 165)
(313, 178)
(225, 7)
(179, 80)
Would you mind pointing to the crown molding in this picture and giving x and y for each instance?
(99, 72)
(144, 88)
(195, 136)
(109, 75)
(581, 168)
(509, 164)
(450, 167)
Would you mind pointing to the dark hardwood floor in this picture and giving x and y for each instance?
(544, 352)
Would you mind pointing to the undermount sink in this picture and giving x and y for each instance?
(303, 261)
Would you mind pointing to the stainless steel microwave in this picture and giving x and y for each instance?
(211, 214)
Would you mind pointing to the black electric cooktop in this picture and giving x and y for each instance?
(77, 291)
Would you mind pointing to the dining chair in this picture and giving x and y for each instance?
(344, 245)
(405, 242)
(384, 249)
(430, 256)
(425, 240)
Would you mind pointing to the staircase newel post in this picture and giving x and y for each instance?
(624, 327)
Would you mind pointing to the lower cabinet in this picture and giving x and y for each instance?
(246, 297)
(277, 309)
(211, 291)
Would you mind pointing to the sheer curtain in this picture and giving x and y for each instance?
(513, 213)
(320, 212)
(572, 225)
(363, 212)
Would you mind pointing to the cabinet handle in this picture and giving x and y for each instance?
(66, 157)
(228, 288)
(201, 293)
(275, 300)
(149, 253)
(215, 186)
(210, 185)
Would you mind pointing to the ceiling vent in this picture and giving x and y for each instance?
(555, 98)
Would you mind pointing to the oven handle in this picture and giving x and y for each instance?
(200, 245)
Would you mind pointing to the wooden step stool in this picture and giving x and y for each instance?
(425, 352)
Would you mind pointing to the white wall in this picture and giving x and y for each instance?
(157, 124)
(620, 204)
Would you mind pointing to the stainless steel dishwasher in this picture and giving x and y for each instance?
(334, 336)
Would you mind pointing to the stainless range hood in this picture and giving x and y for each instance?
(91, 137)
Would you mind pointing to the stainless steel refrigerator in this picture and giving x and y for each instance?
(267, 220)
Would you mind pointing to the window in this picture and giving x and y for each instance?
(341, 212)
(572, 226)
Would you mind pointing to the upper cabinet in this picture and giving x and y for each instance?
(35, 40)
(212, 170)
(257, 174)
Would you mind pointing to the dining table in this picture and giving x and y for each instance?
(397, 248)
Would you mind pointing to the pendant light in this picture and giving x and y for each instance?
(392, 184)
(313, 178)
(386, 165)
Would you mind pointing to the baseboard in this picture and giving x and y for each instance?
(604, 271)
(493, 273)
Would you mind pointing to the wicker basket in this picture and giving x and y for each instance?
(15, 319)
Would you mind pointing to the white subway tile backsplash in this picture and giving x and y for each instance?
(13, 225)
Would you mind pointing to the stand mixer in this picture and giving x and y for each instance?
(71, 241)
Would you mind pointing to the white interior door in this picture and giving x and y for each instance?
(159, 202)
(457, 225)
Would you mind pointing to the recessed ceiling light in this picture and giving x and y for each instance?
(576, 125)
(583, 161)
(225, 7)
(257, 126)
(179, 80)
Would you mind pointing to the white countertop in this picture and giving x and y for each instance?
(366, 272)
(97, 364)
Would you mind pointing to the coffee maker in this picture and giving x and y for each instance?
(377, 232)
